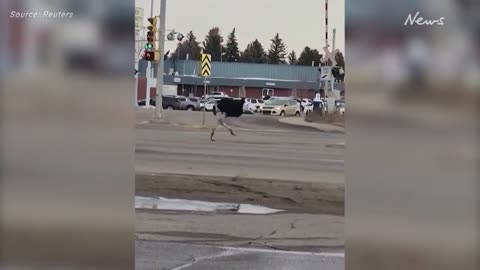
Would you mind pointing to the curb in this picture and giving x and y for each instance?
(159, 121)
(288, 195)
(332, 129)
(199, 126)
(165, 122)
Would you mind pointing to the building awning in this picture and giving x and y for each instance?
(239, 82)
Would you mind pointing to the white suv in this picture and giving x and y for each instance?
(215, 95)
(306, 102)
(254, 104)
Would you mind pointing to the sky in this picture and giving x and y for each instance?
(300, 23)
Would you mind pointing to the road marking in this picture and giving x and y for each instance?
(264, 130)
(324, 254)
(236, 250)
(189, 155)
(203, 258)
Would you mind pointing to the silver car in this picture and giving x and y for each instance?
(195, 101)
(189, 104)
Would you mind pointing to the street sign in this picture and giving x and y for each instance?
(206, 64)
(325, 74)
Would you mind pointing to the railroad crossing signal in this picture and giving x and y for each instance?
(150, 52)
(206, 64)
(329, 56)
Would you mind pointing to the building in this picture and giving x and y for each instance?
(237, 79)
(139, 18)
(139, 32)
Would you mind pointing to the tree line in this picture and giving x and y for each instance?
(254, 52)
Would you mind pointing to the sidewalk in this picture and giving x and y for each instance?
(312, 217)
(284, 231)
(300, 121)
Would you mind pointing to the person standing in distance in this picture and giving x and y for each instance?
(316, 101)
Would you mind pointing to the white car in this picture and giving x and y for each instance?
(308, 109)
(215, 95)
(209, 105)
(341, 108)
(306, 102)
(254, 104)
(247, 109)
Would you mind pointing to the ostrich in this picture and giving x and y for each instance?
(227, 108)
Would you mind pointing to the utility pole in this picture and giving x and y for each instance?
(5, 29)
(205, 99)
(333, 39)
(161, 41)
(332, 79)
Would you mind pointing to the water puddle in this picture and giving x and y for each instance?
(161, 203)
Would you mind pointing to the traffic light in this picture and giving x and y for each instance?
(150, 54)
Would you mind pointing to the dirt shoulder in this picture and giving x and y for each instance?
(291, 196)
(334, 119)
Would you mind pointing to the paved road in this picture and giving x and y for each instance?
(267, 151)
(152, 255)
(263, 149)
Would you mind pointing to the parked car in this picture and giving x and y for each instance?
(142, 102)
(195, 99)
(281, 107)
(339, 103)
(208, 105)
(187, 104)
(305, 102)
(341, 108)
(171, 103)
(168, 102)
(214, 95)
(195, 102)
(254, 104)
(248, 109)
(309, 108)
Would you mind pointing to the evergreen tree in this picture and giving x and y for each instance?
(232, 53)
(340, 64)
(340, 59)
(254, 53)
(188, 46)
(213, 44)
(292, 58)
(308, 56)
(277, 52)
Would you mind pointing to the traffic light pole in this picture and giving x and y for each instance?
(204, 99)
(152, 68)
(151, 8)
(161, 41)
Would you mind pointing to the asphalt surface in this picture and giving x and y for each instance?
(152, 255)
(292, 165)
(263, 148)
